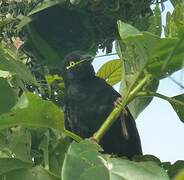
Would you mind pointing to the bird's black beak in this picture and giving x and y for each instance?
(87, 57)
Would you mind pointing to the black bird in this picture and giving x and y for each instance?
(88, 102)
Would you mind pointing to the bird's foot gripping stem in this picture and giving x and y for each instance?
(117, 104)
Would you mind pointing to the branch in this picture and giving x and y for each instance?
(117, 110)
(151, 94)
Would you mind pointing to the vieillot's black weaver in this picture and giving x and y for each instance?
(88, 102)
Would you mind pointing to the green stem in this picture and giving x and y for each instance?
(151, 94)
(72, 135)
(117, 110)
(136, 90)
(108, 122)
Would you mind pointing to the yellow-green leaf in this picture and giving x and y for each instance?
(111, 71)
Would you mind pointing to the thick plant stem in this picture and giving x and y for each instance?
(116, 111)
(108, 122)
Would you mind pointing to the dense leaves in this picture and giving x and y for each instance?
(33, 142)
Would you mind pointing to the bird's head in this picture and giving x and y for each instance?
(77, 66)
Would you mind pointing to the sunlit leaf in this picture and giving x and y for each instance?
(111, 71)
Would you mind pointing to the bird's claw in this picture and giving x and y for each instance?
(118, 102)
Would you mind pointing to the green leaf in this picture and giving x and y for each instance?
(145, 54)
(147, 157)
(111, 71)
(57, 156)
(31, 110)
(9, 61)
(175, 168)
(29, 173)
(44, 147)
(126, 30)
(18, 142)
(11, 164)
(8, 96)
(129, 170)
(44, 5)
(177, 103)
(137, 105)
(175, 21)
(50, 56)
(23, 22)
(179, 176)
(86, 163)
(79, 158)
(155, 22)
(150, 52)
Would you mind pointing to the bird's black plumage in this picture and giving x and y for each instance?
(88, 102)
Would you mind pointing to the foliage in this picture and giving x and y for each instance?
(33, 141)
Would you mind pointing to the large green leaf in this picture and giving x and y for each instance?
(7, 96)
(130, 170)
(145, 54)
(111, 71)
(86, 163)
(79, 158)
(149, 52)
(31, 110)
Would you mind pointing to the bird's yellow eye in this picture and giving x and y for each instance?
(72, 64)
